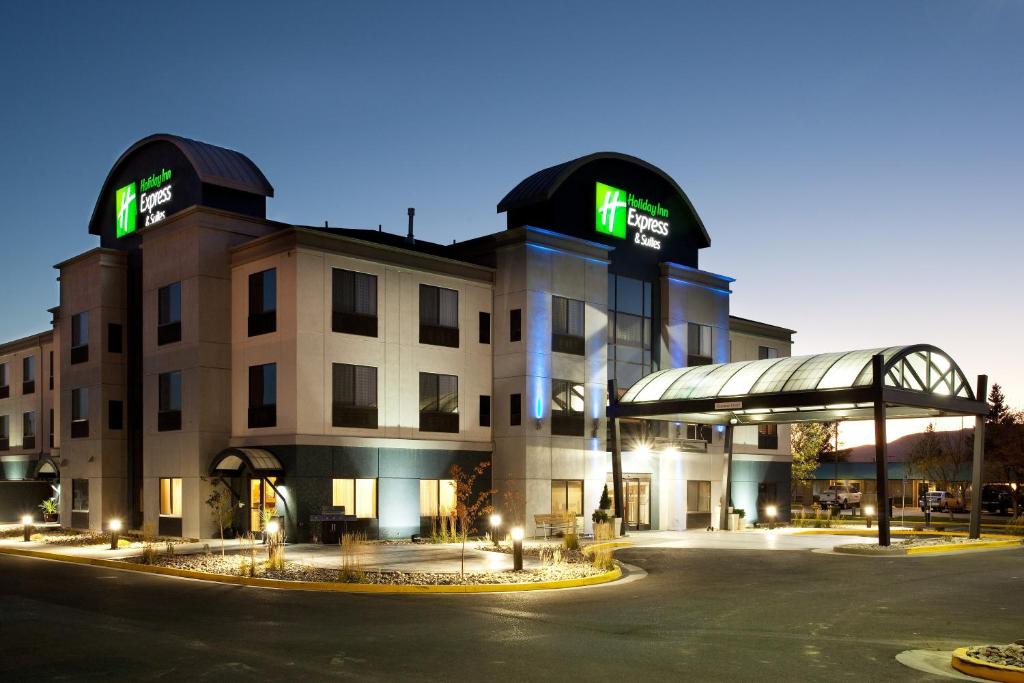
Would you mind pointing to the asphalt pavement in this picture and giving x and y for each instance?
(699, 614)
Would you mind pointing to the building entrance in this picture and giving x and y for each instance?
(262, 502)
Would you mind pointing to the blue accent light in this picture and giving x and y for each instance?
(540, 408)
(697, 284)
(552, 250)
(720, 428)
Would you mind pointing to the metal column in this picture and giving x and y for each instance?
(979, 461)
(723, 522)
(881, 466)
(616, 447)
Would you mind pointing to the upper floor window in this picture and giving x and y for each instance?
(51, 371)
(515, 410)
(168, 417)
(354, 307)
(115, 415)
(567, 325)
(79, 338)
(699, 349)
(439, 316)
(115, 340)
(354, 402)
(79, 413)
(485, 327)
(28, 430)
(768, 436)
(168, 321)
(515, 325)
(764, 352)
(698, 432)
(485, 411)
(630, 330)
(52, 442)
(5, 432)
(263, 395)
(439, 403)
(566, 408)
(263, 302)
(5, 389)
(28, 375)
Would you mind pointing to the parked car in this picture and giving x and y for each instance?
(996, 498)
(843, 495)
(942, 500)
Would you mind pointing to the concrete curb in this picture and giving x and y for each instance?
(987, 670)
(955, 547)
(598, 579)
(861, 532)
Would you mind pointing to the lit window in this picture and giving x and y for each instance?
(170, 497)
(567, 325)
(437, 497)
(567, 496)
(357, 496)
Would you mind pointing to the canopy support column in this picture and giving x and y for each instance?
(881, 464)
(978, 462)
(616, 448)
(723, 521)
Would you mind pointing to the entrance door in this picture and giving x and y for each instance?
(636, 489)
(262, 502)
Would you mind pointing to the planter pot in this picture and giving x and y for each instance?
(49, 517)
(616, 527)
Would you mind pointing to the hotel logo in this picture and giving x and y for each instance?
(125, 209)
(610, 218)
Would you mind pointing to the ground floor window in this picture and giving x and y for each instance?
(357, 496)
(262, 502)
(437, 497)
(567, 496)
(79, 495)
(698, 496)
(170, 497)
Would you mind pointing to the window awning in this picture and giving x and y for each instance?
(231, 462)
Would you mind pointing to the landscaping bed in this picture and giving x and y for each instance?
(1003, 655)
(77, 538)
(902, 545)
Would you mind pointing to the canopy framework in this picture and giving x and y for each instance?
(873, 384)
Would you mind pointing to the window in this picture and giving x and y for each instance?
(170, 497)
(567, 326)
(699, 349)
(51, 372)
(5, 432)
(515, 325)
(357, 496)
(698, 496)
(515, 410)
(28, 375)
(485, 411)
(263, 395)
(5, 389)
(698, 432)
(630, 330)
(168, 417)
(263, 302)
(355, 396)
(764, 352)
(115, 415)
(79, 338)
(566, 408)
(114, 342)
(437, 497)
(567, 496)
(439, 403)
(168, 319)
(79, 413)
(354, 302)
(768, 436)
(51, 427)
(79, 495)
(439, 316)
(28, 430)
(485, 327)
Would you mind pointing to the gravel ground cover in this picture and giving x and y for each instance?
(1006, 655)
(901, 545)
(81, 538)
(295, 571)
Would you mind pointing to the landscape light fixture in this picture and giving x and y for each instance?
(495, 523)
(273, 527)
(517, 548)
(771, 511)
(869, 511)
(26, 523)
(115, 526)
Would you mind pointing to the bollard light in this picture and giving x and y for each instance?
(273, 527)
(869, 511)
(115, 526)
(495, 523)
(26, 523)
(771, 511)
(517, 548)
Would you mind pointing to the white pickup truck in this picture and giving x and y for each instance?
(842, 495)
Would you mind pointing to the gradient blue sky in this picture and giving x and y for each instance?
(858, 165)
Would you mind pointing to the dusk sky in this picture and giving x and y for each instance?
(858, 165)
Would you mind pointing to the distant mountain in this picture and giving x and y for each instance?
(898, 451)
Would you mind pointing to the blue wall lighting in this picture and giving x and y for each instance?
(539, 408)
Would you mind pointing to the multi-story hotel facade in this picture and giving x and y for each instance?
(203, 347)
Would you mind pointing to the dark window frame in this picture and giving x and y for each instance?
(351, 414)
(168, 416)
(28, 440)
(563, 338)
(262, 413)
(515, 410)
(115, 340)
(485, 410)
(699, 356)
(79, 423)
(115, 415)
(485, 327)
(515, 325)
(5, 432)
(28, 367)
(432, 417)
(5, 388)
(346, 317)
(565, 421)
(80, 345)
(262, 318)
(432, 330)
(168, 322)
(768, 436)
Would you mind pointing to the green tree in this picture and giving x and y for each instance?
(811, 442)
(998, 412)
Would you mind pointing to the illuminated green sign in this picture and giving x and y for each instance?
(155, 192)
(125, 209)
(617, 210)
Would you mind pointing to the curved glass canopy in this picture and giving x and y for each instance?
(919, 368)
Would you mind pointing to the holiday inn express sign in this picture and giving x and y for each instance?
(154, 192)
(617, 212)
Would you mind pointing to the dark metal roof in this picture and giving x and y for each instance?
(540, 186)
(214, 165)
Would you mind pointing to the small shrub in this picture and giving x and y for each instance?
(599, 517)
(170, 548)
(351, 570)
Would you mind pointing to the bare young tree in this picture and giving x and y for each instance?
(470, 503)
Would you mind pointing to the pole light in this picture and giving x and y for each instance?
(495, 523)
(26, 523)
(869, 511)
(517, 548)
(771, 511)
(115, 526)
(273, 527)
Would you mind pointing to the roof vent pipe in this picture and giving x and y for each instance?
(409, 237)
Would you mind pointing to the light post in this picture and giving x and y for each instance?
(26, 523)
(869, 510)
(517, 548)
(115, 526)
(771, 511)
(495, 523)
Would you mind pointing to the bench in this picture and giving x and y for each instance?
(559, 522)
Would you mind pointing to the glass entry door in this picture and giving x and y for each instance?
(636, 494)
(262, 502)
